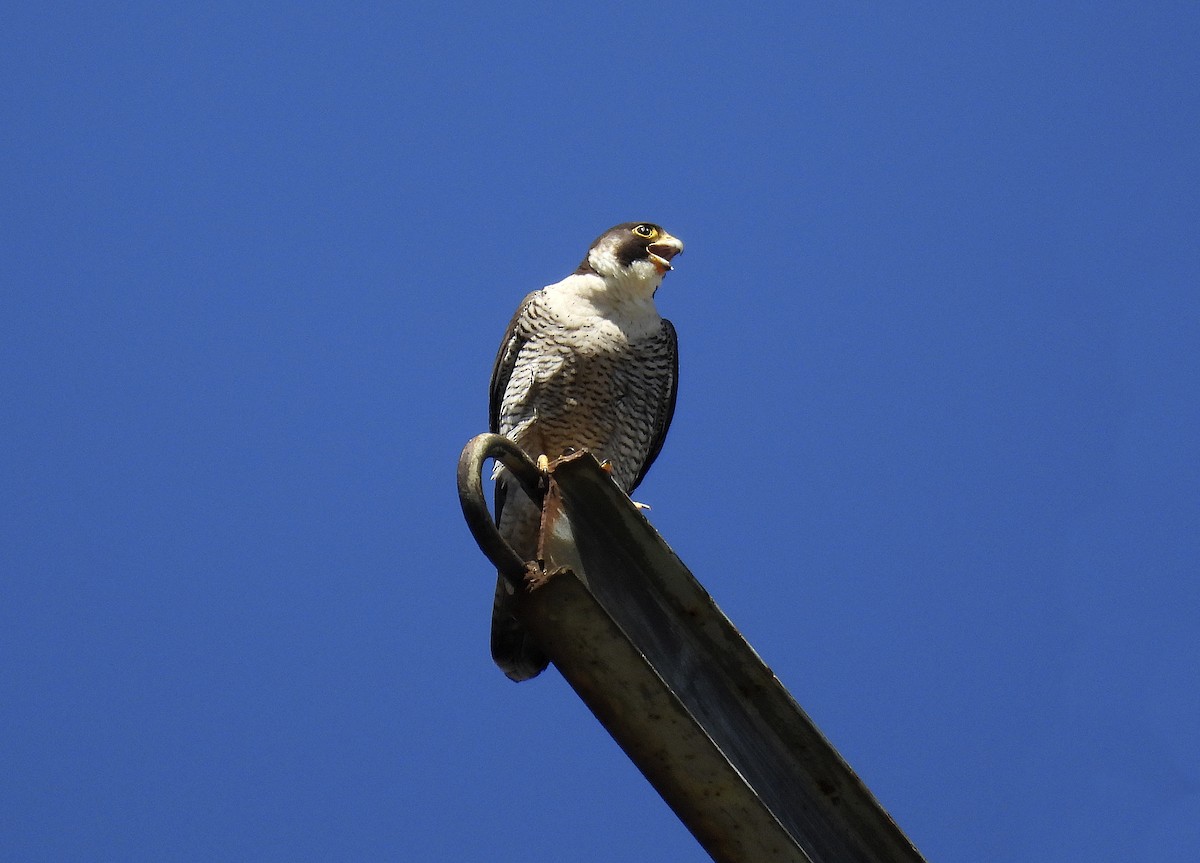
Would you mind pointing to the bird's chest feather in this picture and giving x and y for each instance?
(582, 360)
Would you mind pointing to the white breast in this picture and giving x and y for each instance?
(601, 310)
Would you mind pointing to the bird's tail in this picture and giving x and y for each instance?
(513, 648)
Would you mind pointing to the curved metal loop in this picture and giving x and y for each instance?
(474, 506)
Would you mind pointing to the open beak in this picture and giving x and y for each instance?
(663, 250)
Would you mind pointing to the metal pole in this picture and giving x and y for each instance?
(681, 691)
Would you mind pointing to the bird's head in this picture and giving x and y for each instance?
(637, 254)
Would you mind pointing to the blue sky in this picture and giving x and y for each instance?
(935, 451)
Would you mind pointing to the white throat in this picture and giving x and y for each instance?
(638, 281)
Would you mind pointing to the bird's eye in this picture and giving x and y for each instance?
(645, 230)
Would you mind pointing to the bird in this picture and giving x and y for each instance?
(586, 363)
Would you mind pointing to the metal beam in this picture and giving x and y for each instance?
(687, 699)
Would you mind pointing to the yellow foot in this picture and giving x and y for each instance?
(606, 466)
(543, 463)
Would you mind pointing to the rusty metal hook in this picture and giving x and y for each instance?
(474, 506)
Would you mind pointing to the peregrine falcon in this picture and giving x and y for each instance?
(586, 363)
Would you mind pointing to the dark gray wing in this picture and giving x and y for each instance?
(515, 338)
(513, 648)
(665, 409)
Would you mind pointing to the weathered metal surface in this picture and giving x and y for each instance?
(690, 702)
(685, 696)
